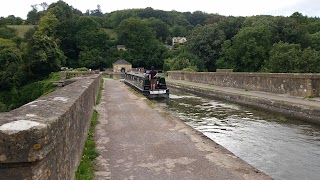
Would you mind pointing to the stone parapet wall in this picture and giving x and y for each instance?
(44, 139)
(115, 75)
(305, 85)
(72, 74)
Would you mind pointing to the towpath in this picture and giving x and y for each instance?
(314, 102)
(138, 141)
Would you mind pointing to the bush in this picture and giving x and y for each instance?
(82, 69)
(190, 69)
(3, 107)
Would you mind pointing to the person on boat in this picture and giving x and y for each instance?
(153, 78)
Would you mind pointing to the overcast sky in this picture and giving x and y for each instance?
(21, 8)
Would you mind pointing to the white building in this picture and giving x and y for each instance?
(178, 40)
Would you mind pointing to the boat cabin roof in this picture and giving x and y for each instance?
(143, 75)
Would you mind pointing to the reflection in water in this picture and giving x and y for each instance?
(281, 147)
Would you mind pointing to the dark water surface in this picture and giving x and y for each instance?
(281, 147)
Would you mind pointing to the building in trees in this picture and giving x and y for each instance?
(121, 47)
(122, 66)
(178, 40)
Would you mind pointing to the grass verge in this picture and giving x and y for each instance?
(99, 93)
(86, 168)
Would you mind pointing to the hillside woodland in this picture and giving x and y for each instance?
(59, 35)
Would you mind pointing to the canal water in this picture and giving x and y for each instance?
(280, 147)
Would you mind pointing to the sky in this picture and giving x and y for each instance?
(20, 8)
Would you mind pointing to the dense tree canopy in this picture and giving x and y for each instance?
(247, 50)
(43, 56)
(7, 32)
(10, 63)
(11, 20)
(205, 42)
(48, 24)
(213, 41)
(145, 50)
(285, 57)
(63, 35)
(159, 27)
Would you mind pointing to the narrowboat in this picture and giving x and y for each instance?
(141, 83)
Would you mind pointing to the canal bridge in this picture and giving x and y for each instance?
(44, 138)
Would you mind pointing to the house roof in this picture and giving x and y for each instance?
(121, 46)
(121, 61)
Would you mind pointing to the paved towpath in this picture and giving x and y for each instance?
(312, 102)
(138, 141)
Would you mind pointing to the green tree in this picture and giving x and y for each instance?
(18, 21)
(91, 59)
(291, 58)
(261, 20)
(96, 12)
(90, 38)
(144, 49)
(33, 17)
(309, 61)
(248, 50)
(3, 107)
(181, 20)
(134, 32)
(289, 30)
(214, 18)
(283, 57)
(182, 61)
(105, 22)
(43, 56)
(300, 18)
(10, 63)
(66, 33)
(11, 20)
(29, 34)
(7, 33)
(231, 25)
(118, 16)
(179, 31)
(314, 27)
(176, 63)
(159, 27)
(18, 41)
(4, 43)
(90, 35)
(228, 57)
(314, 40)
(48, 24)
(197, 17)
(61, 10)
(205, 42)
